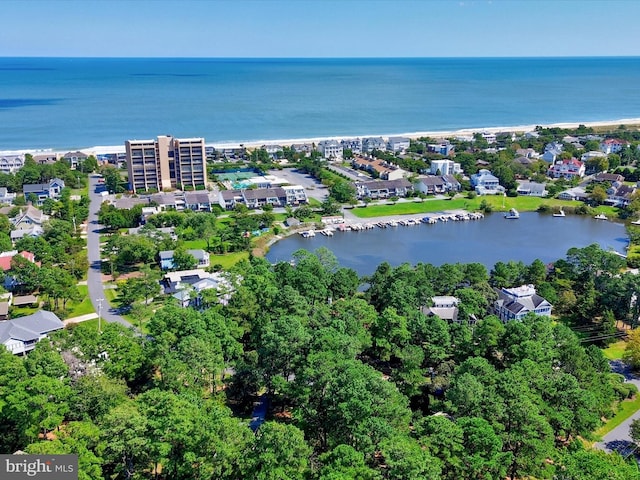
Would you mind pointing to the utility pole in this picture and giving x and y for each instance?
(99, 300)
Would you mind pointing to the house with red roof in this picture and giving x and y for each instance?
(570, 168)
(5, 265)
(612, 145)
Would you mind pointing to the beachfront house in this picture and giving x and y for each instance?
(568, 168)
(75, 158)
(515, 303)
(373, 143)
(353, 144)
(42, 191)
(398, 144)
(485, 183)
(11, 163)
(21, 335)
(444, 167)
(330, 149)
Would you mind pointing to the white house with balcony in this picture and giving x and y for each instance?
(398, 144)
(21, 335)
(330, 149)
(444, 167)
(612, 145)
(485, 183)
(10, 163)
(569, 168)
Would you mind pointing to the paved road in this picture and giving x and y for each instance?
(94, 278)
(619, 439)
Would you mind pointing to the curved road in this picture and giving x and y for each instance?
(619, 439)
(94, 278)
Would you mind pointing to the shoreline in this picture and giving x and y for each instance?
(111, 149)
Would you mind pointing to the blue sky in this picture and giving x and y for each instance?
(312, 28)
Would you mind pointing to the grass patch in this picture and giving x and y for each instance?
(81, 308)
(228, 260)
(498, 203)
(198, 244)
(615, 350)
(625, 410)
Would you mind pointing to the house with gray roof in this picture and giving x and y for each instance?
(6, 196)
(485, 183)
(532, 189)
(444, 307)
(197, 201)
(11, 163)
(383, 188)
(21, 335)
(42, 191)
(515, 303)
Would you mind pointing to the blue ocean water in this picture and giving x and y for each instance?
(80, 102)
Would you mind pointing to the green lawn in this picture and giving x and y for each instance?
(195, 244)
(81, 308)
(499, 204)
(229, 260)
(615, 350)
(625, 410)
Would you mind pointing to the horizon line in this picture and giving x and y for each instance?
(462, 57)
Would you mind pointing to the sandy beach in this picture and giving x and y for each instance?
(465, 132)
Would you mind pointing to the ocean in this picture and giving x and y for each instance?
(68, 103)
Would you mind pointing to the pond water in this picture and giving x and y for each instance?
(487, 241)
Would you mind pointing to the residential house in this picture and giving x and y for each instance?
(6, 197)
(585, 157)
(198, 201)
(385, 170)
(295, 194)
(485, 183)
(444, 307)
(168, 201)
(75, 158)
(437, 184)
(46, 158)
(444, 167)
(608, 177)
(383, 188)
(532, 189)
(11, 163)
(186, 285)
(613, 145)
(331, 149)
(21, 335)
(272, 150)
(524, 161)
(373, 143)
(569, 168)
(42, 191)
(575, 193)
(552, 151)
(305, 148)
(353, 144)
(443, 148)
(489, 137)
(620, 195)
(515, 303)
(28, 222)
(527, 152)
(398, 144)
(167, 258)
(5, 266)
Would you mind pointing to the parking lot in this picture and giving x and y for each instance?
(312, 187)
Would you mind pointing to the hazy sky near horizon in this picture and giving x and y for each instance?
(319, 28)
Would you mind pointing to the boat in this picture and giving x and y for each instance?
(512, 214)
(601, 216)
(637, 222)
(559, 214)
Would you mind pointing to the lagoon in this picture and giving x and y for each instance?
(487, 241)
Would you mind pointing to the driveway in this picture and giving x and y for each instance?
(619, 439)
(312, 187)
(94, 277)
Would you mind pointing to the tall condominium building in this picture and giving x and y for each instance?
(166, 163)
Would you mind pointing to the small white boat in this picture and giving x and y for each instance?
(559, 214)
(513, 214)
(601, 216)
(637, 222)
